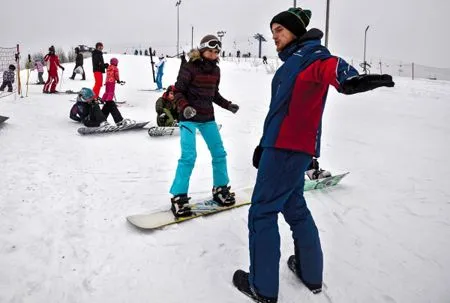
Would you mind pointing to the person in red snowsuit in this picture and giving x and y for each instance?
(52, 62)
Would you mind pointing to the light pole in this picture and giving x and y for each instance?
(178, 27)
(192, 38)
(295, 3)
(365, 43)
(327, 23)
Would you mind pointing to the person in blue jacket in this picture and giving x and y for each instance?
(291, 138)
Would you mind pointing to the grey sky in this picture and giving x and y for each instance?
(405, 30)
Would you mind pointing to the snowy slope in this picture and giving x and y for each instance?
(64, 198)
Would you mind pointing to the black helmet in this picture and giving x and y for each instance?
(12, 67)
(51, 49)
(77, 50)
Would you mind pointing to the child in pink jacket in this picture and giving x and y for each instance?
(110, 107)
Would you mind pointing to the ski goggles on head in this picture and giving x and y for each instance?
(214, 43)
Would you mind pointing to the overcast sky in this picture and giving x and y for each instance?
(408, 30)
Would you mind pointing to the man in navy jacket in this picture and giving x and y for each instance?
(291, 137)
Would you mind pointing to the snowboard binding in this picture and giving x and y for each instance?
(180, 206)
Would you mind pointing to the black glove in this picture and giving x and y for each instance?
(364, 83)
(257, 156)
(105, 65)
(62, 68)
(233, 108)
(120, 82)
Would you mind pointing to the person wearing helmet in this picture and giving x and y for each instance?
(8, 78)
(196, 89)
(166, 108)
(87, 110)
(52, 61)
(160, 66)
(79, 60)
(112, 77)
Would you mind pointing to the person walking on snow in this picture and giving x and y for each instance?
(110, 107)
(159, 75)
(52, 61)
(79, 60)
(196, 89)
(291, 137)
(8, 78)
(99, 67)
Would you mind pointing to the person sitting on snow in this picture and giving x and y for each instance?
(8, 78)
(166, 108)
(87, 110)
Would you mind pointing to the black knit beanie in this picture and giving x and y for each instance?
(294, 19)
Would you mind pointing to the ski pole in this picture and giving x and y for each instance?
(62, 78)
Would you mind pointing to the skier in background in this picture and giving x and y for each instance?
(40, 70)
(159, 75)
(110, 107)
(8, 78)
(79, 60)
(196, 89)
(166, 108)
(291, 137)
(98, 67)
(52, 61)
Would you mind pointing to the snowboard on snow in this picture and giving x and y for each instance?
(159, 131)
(206, 207)
(111, 128)
(3, 119)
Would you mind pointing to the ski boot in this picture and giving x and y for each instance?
(292, 264)
(240, 280)
(180, 206)
(223, 196)
(314, 172)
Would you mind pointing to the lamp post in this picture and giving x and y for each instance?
(192, 37)
(178, 27)
(327, 23)
(365, 43)
(295, 3)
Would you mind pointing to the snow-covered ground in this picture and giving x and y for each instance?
(63, 198)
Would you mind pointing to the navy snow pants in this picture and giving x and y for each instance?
(279, 188)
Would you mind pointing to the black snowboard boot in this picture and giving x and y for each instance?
(292, 264)
(180, 206)
(223, 196)
(240, 280)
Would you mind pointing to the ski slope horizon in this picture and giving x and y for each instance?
(64, 197)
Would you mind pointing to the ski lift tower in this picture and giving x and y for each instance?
(261, 39)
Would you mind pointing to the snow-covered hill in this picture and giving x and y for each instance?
(64, 198)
